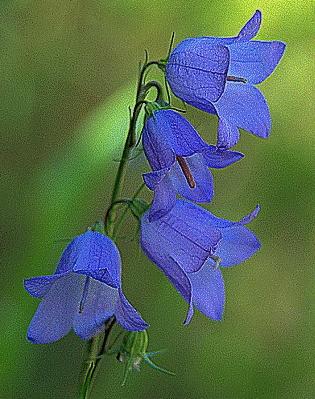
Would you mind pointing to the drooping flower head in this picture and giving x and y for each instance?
(188, 243)
(83, 293)
(217, 75)
(179, 159)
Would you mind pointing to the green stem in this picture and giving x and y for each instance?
(90, 364)
(95, 351)
(119, 181)
(124, 212)
(97, 345)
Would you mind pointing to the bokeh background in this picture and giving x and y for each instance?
(68, 73)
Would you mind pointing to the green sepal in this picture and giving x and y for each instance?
(154, 106)
(162, 64)
(154, 366)
(151, 107)
(133, 352)
(134, 346)
(138, 207)
(98, 226)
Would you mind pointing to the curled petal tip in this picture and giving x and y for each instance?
(251, 216)
(251, 27)
(189, 315)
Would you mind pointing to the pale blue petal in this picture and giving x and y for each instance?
(198, 71)
(203, 191)
(184, 233)
(98, 257)
(228, 134)
(238, 244)
(181, 282)
(179, 133)
(243, 106)
(163, 258)
(164, 199)
(251, 216)
(39, 286)
(190, 43)
(203, 105)
(70, 255)
(153, 179)
(55, 314)
(248, 32)
(127, 316)
(251, 28)
(216, 222)
(158, 151)
(208, 291)
(97, 307)
(218, 158)
(255, 60)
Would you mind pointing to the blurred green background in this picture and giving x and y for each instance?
(68, 72)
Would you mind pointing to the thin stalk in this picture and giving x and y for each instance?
(124, 212)
(95, 351)
(97, 345)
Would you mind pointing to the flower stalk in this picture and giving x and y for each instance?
(95, 350)
(97, 345)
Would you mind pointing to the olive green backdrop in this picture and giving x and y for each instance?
(67, 75)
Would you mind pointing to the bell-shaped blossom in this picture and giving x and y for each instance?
(217, 75)
(189, 243)
(83, 293)
(179, 159)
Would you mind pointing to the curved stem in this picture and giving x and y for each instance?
(97, 344)
(122, 217)
(158, 86)
(110, 217)
(142, 91)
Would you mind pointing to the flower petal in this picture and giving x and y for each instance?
(202, 105)
(251, 28)
(97, 307)
(39, 286)
(218, 158)
(255, 60)
(219, 223)
(203, 191)
(54, 316)
(181, 282)
(179, 133)
(228, 134)
(127, 316)
(98, 257)
(243, 105)
(158, 151)
(184, 233)
(164, 199)
(198, 71)
(69, 255)
(208, 291)
(153, 179)
(238, 244)
(251, 216)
